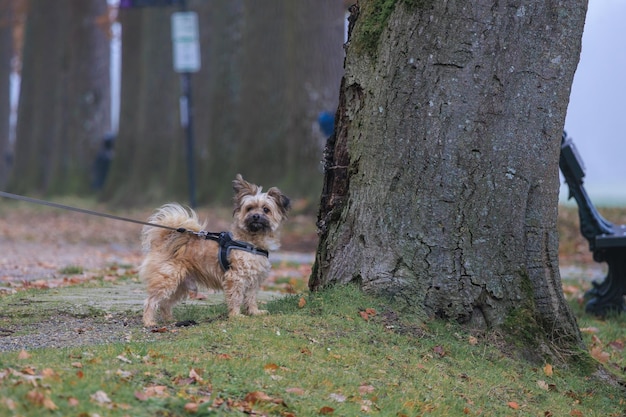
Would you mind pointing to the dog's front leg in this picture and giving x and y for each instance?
(249, 301)
(234, 288)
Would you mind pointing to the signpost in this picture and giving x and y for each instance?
(186, 55)
(185, 42)
(186, 49)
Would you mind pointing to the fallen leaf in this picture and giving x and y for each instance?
(125, 375)
(337, 397)
(370, 311)
(100, 397)
(224, 356)
(571, 289)
(473, 341)
(49, 373)
(617, 345)
(576, 413)
(543, 385)
(600, 355)
(9, 403)
(156, 391)
(326, 410)
(23, 355)
(364, 316)
(297, 391)
(159, 330)
(191, 407)
(123, 359)
(49, 404)
(513, 405)
(257, 396)
(270, 367)
(77, 365)
(366, 389)
(197, 296)
(261, 397)
(28, 371)
(72, 402)
(301, 302)
(35, 397)
(193, 374)
(547, 369)
(589, 330)
(439, 350)
(141, 396)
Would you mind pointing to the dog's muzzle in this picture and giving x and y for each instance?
(256, 222)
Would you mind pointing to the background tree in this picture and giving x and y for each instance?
(64, 107)
(267, 71)
(441, 182)
(149, 156)
(6, 55)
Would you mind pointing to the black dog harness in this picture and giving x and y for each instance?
(227, 243)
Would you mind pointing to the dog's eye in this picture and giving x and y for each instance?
(248, 209)
(266, 210)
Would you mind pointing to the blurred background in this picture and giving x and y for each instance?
(597, 103)
(98, 108)
(91, 105)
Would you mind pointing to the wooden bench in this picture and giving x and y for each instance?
(606, 240)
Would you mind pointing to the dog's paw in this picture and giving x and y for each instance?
(258, 312)
(234, 314)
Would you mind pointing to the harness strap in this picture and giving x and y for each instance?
(227, 243)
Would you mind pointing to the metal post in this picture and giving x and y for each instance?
(185, 79)
(187, 119)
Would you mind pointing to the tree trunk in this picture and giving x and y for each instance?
(64, 96)
(291, 72)
(441, 183)
(150, 149)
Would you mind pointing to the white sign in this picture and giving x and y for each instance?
(185, 42)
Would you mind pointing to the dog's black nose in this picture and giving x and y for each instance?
(256, 217)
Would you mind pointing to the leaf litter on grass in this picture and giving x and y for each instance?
(318, 351)
(323, 357)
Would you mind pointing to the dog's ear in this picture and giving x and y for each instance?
(282, 201)
(243, 188)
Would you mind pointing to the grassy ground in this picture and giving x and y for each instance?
(333, 353)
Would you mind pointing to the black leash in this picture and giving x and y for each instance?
(224, 239)
(85, 211)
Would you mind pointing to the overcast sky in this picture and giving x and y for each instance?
(596, 116)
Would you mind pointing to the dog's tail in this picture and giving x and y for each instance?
(171, 215)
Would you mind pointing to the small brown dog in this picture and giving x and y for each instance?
(176, 261)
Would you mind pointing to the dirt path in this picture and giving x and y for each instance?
(54, 251)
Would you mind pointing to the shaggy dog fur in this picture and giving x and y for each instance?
(175, 263)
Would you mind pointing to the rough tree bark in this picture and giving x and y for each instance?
(441, 182)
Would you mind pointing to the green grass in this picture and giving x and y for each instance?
(342, 353)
